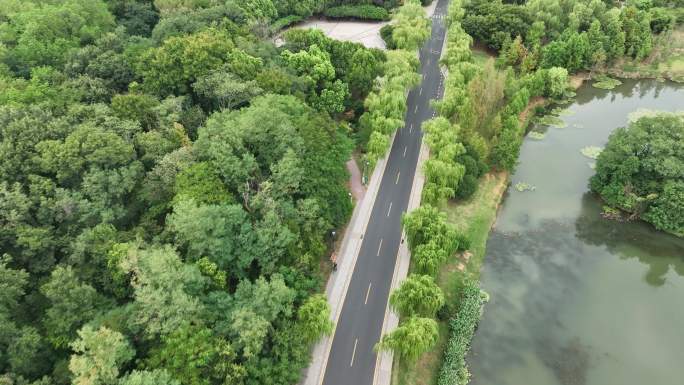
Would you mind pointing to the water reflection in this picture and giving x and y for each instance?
(577, 299)
(659, 251)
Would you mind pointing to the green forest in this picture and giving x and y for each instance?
(168, 182)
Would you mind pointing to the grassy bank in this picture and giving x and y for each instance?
(475, 218)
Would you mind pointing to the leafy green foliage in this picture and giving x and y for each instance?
(361, 11)
(192, 355)
(412, 338)
(99, 355)
(493, 21)
(314, 316)
(461, 330)
(640, 171)
(417, 295)
(386, 106)
(431, 239)
(411, 27)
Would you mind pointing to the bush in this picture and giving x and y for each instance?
(462, 328)
(364, 11)
(463, 241)
(470, 165)
(467, 187)
(386, 34)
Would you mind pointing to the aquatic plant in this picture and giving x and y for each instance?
(606, 83)
(536, 135)
(591, 151)
(522, 187)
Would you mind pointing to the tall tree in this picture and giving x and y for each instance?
(72, 303)
(314, 316)
(98, 356)
(412, 338)
(164, 289)
(418, 295)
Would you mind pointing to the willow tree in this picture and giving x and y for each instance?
(411, 26)
(417, 295)
(412, 338)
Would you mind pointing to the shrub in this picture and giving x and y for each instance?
(462, 328)
(470, 164)
(463, 241)
(386, 34)
(467, 187)
(364, 11)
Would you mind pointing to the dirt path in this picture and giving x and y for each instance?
(355, 184)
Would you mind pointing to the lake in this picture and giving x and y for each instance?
(577, 299)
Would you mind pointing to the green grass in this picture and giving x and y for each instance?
(481, 57)
(473, 217)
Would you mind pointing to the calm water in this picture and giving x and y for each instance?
(576, 299)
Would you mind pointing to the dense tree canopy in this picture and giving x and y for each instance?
(641, 171)
(167, 181)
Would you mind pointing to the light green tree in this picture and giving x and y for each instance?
(98, 355)
(314, 317)
(163, 289)
(412, 338)
(411, 26)
(145, 377)
(418, 295)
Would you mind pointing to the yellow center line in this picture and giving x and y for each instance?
(379, 247)
(367, 292)
(353, 352)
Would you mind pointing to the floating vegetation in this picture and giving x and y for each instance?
(592, 165)
(552, 120)
(611, 213)
(591, 151)
(522, 186)
(562, 111)
(606, 83)
(536, 135)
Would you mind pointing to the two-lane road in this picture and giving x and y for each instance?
(351, 360)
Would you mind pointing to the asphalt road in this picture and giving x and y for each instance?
(352, 360)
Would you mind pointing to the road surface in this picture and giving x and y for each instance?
(351, 360)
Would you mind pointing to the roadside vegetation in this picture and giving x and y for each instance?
(386, 104)
(168, 182)
(483, 116)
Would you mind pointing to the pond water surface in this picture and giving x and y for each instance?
(577, 299)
